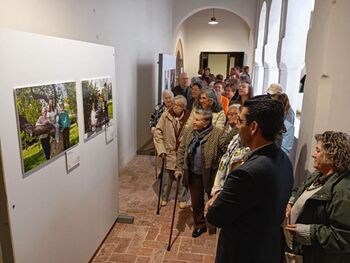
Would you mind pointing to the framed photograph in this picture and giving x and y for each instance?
(98, 106)
(47, 122)
(166, 73)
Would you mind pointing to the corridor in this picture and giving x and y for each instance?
(146, 240)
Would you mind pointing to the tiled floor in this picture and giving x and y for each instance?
(147, 239)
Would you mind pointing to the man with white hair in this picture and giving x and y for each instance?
(275, 89)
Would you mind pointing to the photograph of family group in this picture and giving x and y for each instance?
(47, 120)
(98, 106)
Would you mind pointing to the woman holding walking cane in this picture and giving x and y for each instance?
(167, 138)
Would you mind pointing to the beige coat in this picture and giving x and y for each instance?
(164, 138)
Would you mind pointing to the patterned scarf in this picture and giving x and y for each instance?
(197, 137)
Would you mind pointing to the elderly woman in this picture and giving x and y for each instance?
(167, 138)
(287, 143)
(318, 214)
(197, 160)
(208, 101)
(231, 128)
(233, 157)
(168, 97)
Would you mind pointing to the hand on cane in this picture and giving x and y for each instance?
(177, 174)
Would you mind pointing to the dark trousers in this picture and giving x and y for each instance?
(45, 143)
(197, 199)
(65, 137)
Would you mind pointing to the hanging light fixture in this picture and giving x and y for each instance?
(213, 20)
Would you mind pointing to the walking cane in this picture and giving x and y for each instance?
(172, 221)
(160, 185)
(156, 164)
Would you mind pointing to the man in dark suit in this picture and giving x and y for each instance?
(251, 206)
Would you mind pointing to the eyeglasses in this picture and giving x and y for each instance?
(178, 105)
(231, 114)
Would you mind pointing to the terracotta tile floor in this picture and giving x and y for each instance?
(147, 239)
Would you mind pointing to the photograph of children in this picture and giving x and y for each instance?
(98, 105)
(47, 119)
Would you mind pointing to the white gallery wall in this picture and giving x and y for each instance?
(56, 216)
(139, 31)
(231, 34)
(327, 91)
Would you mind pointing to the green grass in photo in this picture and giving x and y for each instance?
(33, 156)
(110, 110)
(74, 135)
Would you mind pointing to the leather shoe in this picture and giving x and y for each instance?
(198, 231)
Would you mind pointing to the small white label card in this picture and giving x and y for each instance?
(109, 133)
(72, 158)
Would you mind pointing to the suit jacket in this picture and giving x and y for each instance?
(251, 207)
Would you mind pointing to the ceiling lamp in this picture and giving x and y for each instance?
(213, 19)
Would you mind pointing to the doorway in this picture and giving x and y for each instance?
(221, 62)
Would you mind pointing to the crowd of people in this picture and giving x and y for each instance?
(231, 151)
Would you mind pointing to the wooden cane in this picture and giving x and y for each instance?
(160, 186)
(172, 221)
(156, 164)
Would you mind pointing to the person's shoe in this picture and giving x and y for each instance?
(163, 203)
(182, 205)
(198, 231)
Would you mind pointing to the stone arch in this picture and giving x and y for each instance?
(258, 54)
(204, 8)
(271, 72)
(293, 48)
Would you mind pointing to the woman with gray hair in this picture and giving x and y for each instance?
(317, 226)
(208, 101)
(168, 97)
(167, 138)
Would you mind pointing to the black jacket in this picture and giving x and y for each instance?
(251, 207)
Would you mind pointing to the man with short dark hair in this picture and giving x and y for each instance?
(251, 206)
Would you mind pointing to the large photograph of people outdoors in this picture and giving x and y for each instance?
(98, 106)
(47, 119)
